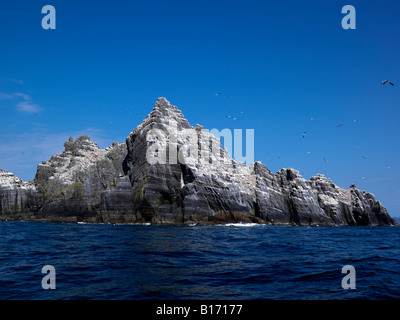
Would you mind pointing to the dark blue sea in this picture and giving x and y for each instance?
(105, 261)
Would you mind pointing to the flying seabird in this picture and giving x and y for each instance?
(364, 157)
(339, 125)
(387, 81)
(304, 134)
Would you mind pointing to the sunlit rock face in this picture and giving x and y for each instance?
(190, 177)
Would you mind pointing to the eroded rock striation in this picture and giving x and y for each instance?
(195, 184)
(171, 172)
(17, 197)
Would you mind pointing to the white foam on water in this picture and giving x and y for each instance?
(116, 224)
(241, 224)
(133, 224)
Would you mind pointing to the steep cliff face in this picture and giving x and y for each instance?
(16, 195)
(335, 201)
(171, 172)
(72, 183)
(367, 210)
(181, 173)
(287, 198)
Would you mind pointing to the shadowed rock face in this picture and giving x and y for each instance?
(171, 172)
(287, 198)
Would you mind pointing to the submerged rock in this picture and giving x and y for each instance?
(171, 172)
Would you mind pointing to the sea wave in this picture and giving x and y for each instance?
(133, 224)
(197, 263)
(116, 224)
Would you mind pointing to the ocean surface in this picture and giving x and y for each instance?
(105, 261)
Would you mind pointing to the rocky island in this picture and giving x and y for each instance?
(120, 185)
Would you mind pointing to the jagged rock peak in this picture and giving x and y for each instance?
(78, 156)
(163, 102)
(164, 108)
(81, 143)
(7, 175)
(10, 180)
(166, 113)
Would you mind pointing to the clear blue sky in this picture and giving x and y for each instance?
(280, 62)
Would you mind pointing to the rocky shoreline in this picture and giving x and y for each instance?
(119, 185)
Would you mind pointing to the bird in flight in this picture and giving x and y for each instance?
(304, 134)
(387, 81)
(364, 157)
(339, 125)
